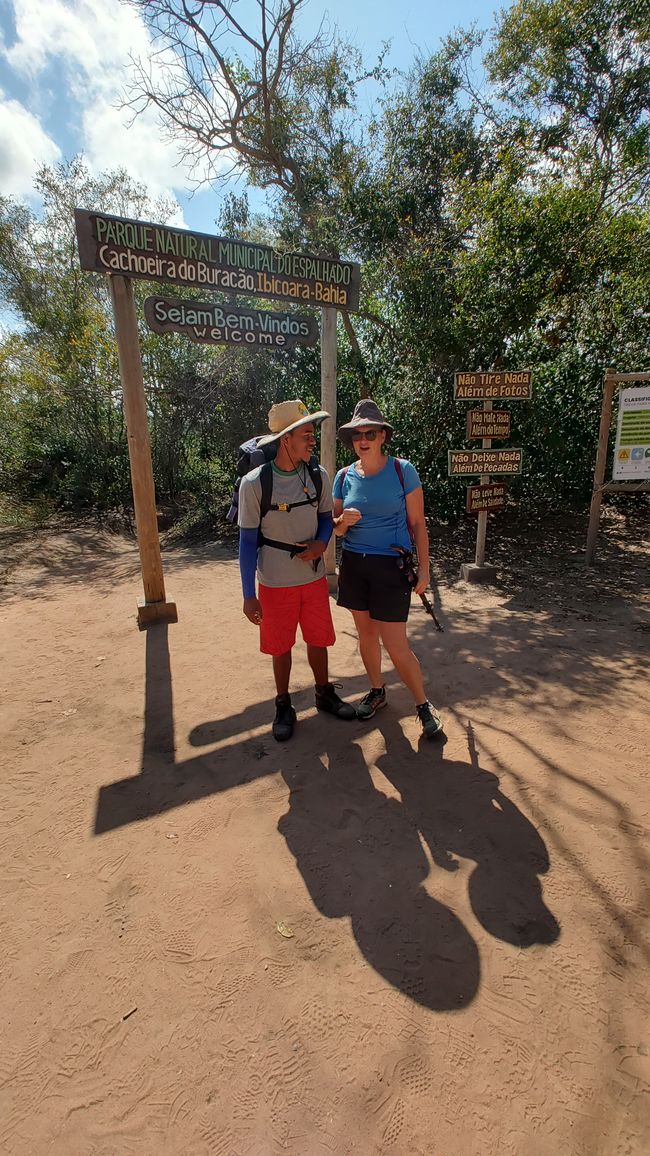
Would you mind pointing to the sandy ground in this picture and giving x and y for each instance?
(216, 944)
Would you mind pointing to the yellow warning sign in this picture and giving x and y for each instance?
(623, 455)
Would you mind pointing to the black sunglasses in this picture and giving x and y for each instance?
(367, 435)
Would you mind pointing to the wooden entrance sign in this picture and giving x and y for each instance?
(612, 382)
(120, 245)
(123, 248)
(214, 324)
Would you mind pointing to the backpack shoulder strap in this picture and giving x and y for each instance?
(315, 475)
(266, 482)
(344, 474)
(400, 473)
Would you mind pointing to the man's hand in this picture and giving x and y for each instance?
(312, 549)
(253, 610)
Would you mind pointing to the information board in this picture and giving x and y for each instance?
(632, 449)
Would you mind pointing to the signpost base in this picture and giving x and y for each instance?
(471, 572)
(151, 612)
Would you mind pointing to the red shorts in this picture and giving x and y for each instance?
(286, 607)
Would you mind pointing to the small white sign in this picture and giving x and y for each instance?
(632, 449)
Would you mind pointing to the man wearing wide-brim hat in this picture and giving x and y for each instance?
(285, 523)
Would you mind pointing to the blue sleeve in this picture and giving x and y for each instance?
(325, 527)
(411, 476)
(337, 488)
(248, 560)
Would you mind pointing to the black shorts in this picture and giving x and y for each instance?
(374, 582)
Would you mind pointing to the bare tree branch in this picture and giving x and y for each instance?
(247, 96)
(217, 102)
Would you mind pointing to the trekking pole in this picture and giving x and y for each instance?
(428, 606)
(406, 562)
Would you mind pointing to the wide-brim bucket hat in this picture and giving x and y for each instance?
(286, 416)
(367, 414)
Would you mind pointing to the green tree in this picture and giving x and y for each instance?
(60, 378)
(489, 255)
(577, 73)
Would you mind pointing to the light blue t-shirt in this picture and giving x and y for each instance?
(381, 501)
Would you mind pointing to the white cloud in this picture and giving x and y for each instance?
(109, 144)
(91, 42)
(93, 37)
(24, 146)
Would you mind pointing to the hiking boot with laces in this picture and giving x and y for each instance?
(372, 702)
(429, 720)
(285, 717)
(328, 700)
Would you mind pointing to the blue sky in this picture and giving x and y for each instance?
(63, 64)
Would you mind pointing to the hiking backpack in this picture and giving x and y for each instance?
(252, 455)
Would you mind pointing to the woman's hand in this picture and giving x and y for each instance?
(423, 579)
(348, 518)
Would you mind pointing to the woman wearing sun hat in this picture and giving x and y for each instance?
(378, 505)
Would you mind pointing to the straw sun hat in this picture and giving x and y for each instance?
(286, 416)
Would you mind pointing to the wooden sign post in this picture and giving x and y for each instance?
(328, 358)
(155, 607)
(481, 530)
(487, 424)
(123, 248)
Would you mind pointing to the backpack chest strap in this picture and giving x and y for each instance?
(287, 507)
(288, 547)
(266, 484)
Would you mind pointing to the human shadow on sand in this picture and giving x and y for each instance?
(461, 812)
(360, 854)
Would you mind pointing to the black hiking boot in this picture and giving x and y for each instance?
(285, 717)
(372, 702)
(430, 720)
(327, 699)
